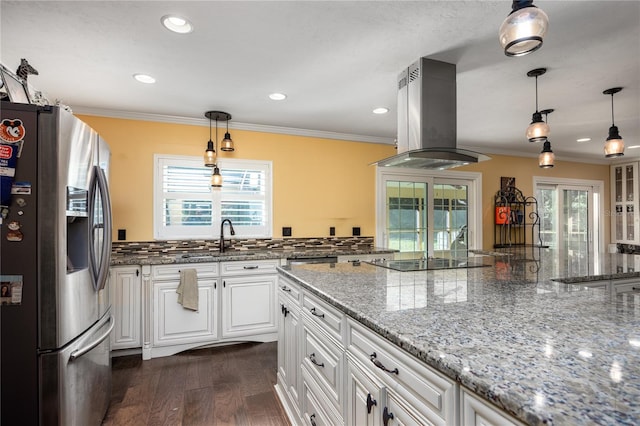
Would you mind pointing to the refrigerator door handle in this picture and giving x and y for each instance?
(105, 259)
(78, 353)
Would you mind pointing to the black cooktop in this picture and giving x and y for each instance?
(433, 263)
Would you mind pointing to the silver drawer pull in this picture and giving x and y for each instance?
(312, 358)
(313, 312)
(251, 267)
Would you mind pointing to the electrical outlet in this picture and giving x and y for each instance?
(332, 231)
(355, 231)
(122, 234)
(286, 231)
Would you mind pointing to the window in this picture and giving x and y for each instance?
(185, 206)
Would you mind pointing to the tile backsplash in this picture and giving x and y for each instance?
(177, 246)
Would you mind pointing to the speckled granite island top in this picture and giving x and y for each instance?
(545, 351)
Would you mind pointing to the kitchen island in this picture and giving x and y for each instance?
(512, 333)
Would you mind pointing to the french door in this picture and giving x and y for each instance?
(569, 216)
(424, 215)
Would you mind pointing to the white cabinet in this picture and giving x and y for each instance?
(363, 395)
(476, 412)
(289, 374)
(249, 298)
(625, 222)
(175, 328)
(174, 324)
(125, 293)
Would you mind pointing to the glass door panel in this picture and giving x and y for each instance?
(450, 219)
(406, 211)
(576, 220)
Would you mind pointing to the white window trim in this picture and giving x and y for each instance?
(475, 197)
(212, 232)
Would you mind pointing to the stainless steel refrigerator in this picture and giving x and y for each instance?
(55, 247)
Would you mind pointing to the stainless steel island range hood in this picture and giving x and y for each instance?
(427, 119)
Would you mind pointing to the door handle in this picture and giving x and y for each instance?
(78, 353)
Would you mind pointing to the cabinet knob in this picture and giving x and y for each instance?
(312, 419)
(386, 416)
(370, 403)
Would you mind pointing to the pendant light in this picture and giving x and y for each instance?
(227, 143)
(211, 159)
(210, 153)
(546, 158)
(538, 130)
(216, 178)
(523, 30)
(614, 146)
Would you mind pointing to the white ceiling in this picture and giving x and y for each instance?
(336, 61)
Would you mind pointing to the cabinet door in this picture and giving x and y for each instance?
(396, 411)
(363, 397)
(289, 351)
(126, 307)
(173, 324)
(624, 203)
(249, 305)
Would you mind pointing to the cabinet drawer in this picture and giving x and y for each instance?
(172, 272)
(415, 381)
(288, 287)
(324, 360)
(317, 411)
(249, 267)
(326, 317)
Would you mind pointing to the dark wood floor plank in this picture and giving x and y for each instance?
(198, 407)
(229, 385)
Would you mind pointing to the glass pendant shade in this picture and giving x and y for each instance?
(614, 146)
(546, 157)
(227, 143)
(216, 178)
(523, 31)
(210, 155)
(538, 130)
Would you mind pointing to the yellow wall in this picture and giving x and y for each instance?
(524, 169)
(317, 183)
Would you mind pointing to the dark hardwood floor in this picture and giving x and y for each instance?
(229, 385)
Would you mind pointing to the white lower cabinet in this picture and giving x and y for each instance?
(249, 306)
(289, 383)
(174, 325)
(332, 370)
(364, 395)
(476, 412)
(126, 307)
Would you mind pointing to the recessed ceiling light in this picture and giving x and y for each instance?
(277, 96)
(381, 110)
(583, 140)
(176, 24)
(144, 78)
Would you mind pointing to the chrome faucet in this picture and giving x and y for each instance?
(222, 246)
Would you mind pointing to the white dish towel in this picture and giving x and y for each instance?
(188, 289)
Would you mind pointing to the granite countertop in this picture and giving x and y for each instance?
(201, 256)
(546, 351)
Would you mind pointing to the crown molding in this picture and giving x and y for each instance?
(173, 119)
